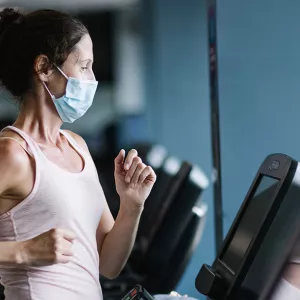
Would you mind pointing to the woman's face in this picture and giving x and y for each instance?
(78, 65)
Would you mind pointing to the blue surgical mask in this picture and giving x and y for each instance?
(77, 100)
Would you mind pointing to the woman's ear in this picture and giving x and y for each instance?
(43, 68)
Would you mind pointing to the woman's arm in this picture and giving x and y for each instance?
(14, 169)
(10, 253)
(134, 181)
(116, 238)
(54, 246)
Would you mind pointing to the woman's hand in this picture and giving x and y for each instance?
(51, 247)
(134, 180)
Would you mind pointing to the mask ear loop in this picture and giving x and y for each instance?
(51, 95)
(61, 71)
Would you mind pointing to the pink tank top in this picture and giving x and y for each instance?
(59, 199)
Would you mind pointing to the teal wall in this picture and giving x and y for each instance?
(259, 68)
(175, 49)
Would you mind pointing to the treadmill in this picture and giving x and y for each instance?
(261, 238)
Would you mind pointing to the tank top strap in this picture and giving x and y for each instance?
(73, 143)
(33, 148)
(27, 150)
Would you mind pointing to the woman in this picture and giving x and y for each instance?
(55, 224)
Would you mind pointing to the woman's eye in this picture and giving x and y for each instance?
(84, 68)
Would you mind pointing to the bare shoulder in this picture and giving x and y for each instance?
(11, 152)
(78, 139)
(14, 163)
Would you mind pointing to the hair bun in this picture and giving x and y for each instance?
(9, 16)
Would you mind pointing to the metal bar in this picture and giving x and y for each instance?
(215, 126)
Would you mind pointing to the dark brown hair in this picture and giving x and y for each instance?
(24, 37)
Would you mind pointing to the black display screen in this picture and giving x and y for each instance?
(249, 223)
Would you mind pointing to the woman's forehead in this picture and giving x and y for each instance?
(83, 51)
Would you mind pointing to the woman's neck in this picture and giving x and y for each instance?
(39, 118)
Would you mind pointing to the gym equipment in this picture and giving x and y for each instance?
(176, 259)
(172, 235)
(169, 181)
(138, 293)
(156, 157)
(261, 237)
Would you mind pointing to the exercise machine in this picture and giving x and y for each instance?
(261, 238)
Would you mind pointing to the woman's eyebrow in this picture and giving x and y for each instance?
(86, 60)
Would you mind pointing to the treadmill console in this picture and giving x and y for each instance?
(248, 264)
